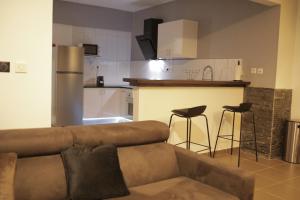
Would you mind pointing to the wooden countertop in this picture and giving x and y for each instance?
(108, 86)
(183, 83)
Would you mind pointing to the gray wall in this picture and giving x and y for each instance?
(227, 29)
(91, 16)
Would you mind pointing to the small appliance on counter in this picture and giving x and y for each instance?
(100, 79)
(238, 71)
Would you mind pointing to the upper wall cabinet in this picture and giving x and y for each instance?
(178, 40)
(62, 34)
(268, 2)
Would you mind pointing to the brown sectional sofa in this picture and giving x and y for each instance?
(152, 169)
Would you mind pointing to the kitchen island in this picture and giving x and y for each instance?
(154, 100)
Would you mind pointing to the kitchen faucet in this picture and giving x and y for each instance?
(208, 67)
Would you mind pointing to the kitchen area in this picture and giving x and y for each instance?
(141, 62)
(107, 96)
(170, 75)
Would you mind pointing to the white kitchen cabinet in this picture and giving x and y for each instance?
(178, 39)
(101, 41)
(111, 46)
(123, 44)
(89, 35)
(110, 102)
(126, 99)
(78, 35)
(62, 34)
(105, 102)
(92, 102)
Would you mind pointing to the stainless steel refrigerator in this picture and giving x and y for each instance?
(67, 88)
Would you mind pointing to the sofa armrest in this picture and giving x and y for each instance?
(233, 181)
(8, 163)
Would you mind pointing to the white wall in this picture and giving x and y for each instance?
(296, 72)
(26, 37)
(286, 44)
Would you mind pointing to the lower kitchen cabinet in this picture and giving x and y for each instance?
(106, 102)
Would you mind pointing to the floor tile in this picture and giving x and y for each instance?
(251, 166)
(262, 182)
(265, 196)
(290, 168)
(283, 191)
(270, 162)
(276, 175)
(294, 182)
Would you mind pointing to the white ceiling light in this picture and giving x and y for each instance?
(126, 5)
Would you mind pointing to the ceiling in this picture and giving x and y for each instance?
(126, 5)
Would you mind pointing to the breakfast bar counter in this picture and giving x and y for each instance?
(183, 83)
(155, 99)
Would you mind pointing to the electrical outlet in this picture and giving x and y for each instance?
(4, 66)
(260, 71)
(20, 68)
(253, 70)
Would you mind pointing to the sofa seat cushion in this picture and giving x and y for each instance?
(180, 188)
(149, 163)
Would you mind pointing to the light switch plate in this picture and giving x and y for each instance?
(260, 71)
(253, 70)
(4, 66)
(20, 68)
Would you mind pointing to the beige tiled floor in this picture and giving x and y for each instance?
(275, 179)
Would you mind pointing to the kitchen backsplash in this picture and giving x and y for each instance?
(113, 71)
(223, 69)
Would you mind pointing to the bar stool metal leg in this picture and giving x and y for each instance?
(171, 120)
(208, 136)
(187, 133)
(190, 133)
(232, 137)
(218, 133)
(254, 132)
(239, 156)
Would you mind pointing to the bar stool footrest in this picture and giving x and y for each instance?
(224, 137)
(199, 144)
(181, 143)
(202, 150)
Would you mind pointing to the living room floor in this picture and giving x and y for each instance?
(275, 179)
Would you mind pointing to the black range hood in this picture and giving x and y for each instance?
(148, 41)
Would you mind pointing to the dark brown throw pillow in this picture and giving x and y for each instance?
(93, 173)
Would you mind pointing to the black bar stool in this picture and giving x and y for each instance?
(242, 108)
(189, 113)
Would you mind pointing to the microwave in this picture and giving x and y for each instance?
(90, 49)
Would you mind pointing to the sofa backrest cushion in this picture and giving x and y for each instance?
(40, 178)
(148, 163)
(123, 134)
(35, 142)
